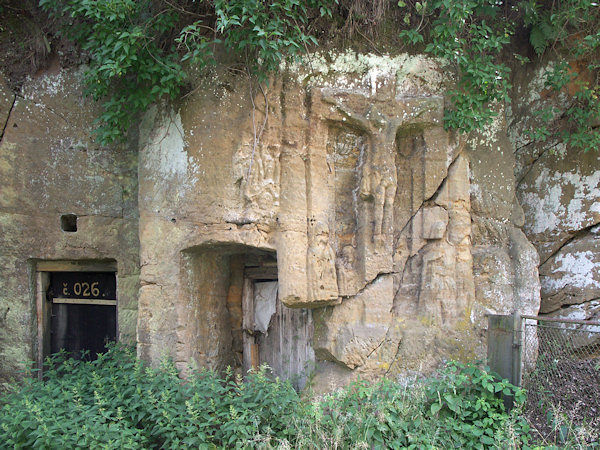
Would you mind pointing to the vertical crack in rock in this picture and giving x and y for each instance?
(395, 358)
(10, 110)
(432, 196)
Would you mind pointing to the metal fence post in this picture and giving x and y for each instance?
(504, 348)
(517, 348)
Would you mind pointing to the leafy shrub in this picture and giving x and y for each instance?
(117, 402)
(130, 66)
(367, 415)
(463, 408)
(473, 36)
(468, 400)
(137, 47)
(470, 37)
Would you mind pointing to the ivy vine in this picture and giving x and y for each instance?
(139, 49)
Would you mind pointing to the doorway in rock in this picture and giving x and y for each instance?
(231, 315)
(274, 334)
(77, 311)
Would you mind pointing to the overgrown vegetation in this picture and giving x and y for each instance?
(141, 51)
(568, 32)
(117, 402)
(474, 36)
(469, 35)
(137, 47)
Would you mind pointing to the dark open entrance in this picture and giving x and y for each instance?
(233, 316)
(83, 312)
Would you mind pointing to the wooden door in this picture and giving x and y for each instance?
(275, 334)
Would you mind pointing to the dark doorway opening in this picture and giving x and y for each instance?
(77, 328)
(83, 312)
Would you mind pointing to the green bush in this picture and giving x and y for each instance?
(468, 401)
(117, 402)
(137, 48)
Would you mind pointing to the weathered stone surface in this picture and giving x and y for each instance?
(561, 196)
(50, 166)
(505, 264)
(338, 179)
(371, 207)
(571, 276)
(437, 279)
(559, 188)
(350, 332)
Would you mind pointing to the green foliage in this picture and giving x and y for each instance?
(568, 31)
(555, 24)
(468, 401)
(266, 32)
(367, 415)
(137, 47)
(582, 114)
(469, 36)
(461, 409)
(129, 66)
(117, 402)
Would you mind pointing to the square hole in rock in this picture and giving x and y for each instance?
(68, 223)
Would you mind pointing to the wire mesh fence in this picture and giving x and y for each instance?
(561, 373)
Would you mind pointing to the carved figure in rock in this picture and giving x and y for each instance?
(261, 187)
(379, 185)
(258, 174)
(345, 270)
(379, 179)
(322, 279)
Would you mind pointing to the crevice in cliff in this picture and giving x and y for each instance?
(579, 234)
(377, 347)
(41, 105)
(369, 283)
(10, 110)
(394, 359)
(431, 197)
(566, 306)
(535, 160)
(518, 149)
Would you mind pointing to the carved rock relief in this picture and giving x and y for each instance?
(368, 217)
(375, 123)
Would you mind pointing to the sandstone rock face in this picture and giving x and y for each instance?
(49, 167)
(505, 263)
(342, 174)
(559, 189)
(383, 239)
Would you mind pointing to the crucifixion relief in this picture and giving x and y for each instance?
(379, 118)
(366, 172)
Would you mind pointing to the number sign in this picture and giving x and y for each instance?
(92, 285)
